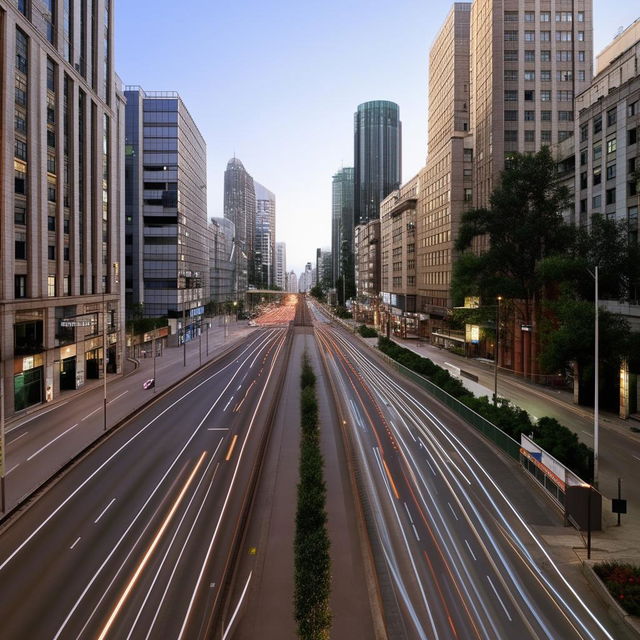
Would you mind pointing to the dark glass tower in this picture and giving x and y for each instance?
(377, 157)
(342, 232)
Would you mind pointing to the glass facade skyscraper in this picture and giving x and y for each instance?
(342, 224)
(377, 157)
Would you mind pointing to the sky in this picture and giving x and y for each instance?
(276, 83)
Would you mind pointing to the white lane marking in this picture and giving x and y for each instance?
(41, 449)
(15, 466)
(228, 403)
(416, 532)
(473, 555)
(587, 433)
(103, 511)
(40, 413)
(120, 396)
(636, 457)
(499, 599)
(407, 508)
(452, 511)
(22, 435)
(235, 612)
(239, 387)
(74, 544)
(218, 429)
(90, 414)
(431, 466)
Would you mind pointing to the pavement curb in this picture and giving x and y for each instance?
(617, 613)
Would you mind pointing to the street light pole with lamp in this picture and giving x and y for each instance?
(497, 355)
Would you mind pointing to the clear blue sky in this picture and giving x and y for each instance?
(277, 82)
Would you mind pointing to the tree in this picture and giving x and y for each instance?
(318, 292)
(523, 226)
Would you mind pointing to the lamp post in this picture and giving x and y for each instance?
(153, 346)
(596, 399)
(235, 309)
(104, 357)
(495, 372)
(184, 336)
(2, 444)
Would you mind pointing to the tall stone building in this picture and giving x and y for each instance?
(62, 131)
(265, 237)
(240, 208)
(166, 230)
(281, 265)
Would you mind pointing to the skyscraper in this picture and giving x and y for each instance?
(377, 157)
(167, 234)
(342, 224)
(61, 198)
(240, 208)
(281, 265)
(222, 264)
(265, 237)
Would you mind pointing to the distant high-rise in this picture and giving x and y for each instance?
(342, 225)
(222, 263)
(292, 282)
(166, 228)
(281, 265)
(377, 157)
(240, 208)
(265, 237)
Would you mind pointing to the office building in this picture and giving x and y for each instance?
(292, 282)
(367, 272)
(222, 264)
(265, 238)
(377, 157)
(62, 119)
(166, 211)
(281, 265)
(240, 208)
(342, 225)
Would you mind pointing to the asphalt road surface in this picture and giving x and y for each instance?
(455, 558)
(135, 540)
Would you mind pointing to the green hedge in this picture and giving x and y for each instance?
(548, 433)
(367, 332)
(311, 546)
(623, 582)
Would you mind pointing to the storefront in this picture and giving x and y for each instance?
(28, 375)
(68, 368)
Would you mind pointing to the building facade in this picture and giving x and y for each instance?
(292, 282)
(281, 265)
(62, 124)
(166, 211)
(342, 225)
(222, 265)
(265, 238)
(367, 272)
(240, 208)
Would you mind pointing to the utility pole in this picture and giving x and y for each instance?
(596, 399)
(153, 346)
(104, 355)
(495, 371)
(184, 335)
(2, 443)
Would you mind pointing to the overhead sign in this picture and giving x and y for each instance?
(526, 327)
(77, 323)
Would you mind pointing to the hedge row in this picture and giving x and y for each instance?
(367, 332)
(623, 582)
(311, 546)
(547, 432)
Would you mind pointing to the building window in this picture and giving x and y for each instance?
(529, 36)
(611, 196)
(565, 116)
(581, 75)
(511, 36)
(20, 121)
(563, 36)
(510, 96)
(511, 75)
(51, 75)
(596, 202)
(51, 192)
(51, 139)
(580, 16)
(51, 163)
(597, 124)
(564, 16)
(545, 95)
(612, 117)
(581, 56)
(529, 95)
(529, 76)
(510, 116)
(597, 152)
(20, 213)
(22, 52)
(51, 286)
(510, 55)
(545, 75)
(511, 16)
(545, 136)
(529, 55)
(66, 286)
(20, 286)
(564, 76)
(611, 145)
(597, 176)
(529, 16)
(21, 246)
(530, 116)
(545, 16)
(564, 56)
(467, 194)
(565, 96)
(633, 188)
(22, 6)
(545, 36)
(20, 149)
(580, 36)
(583, 206)
(21, 92)
(51, 252)
(51, 223)
(545, 56)
(545, 116)
(632, 108)
(583, 180)
(20, 182)
(611, 171)
(632, 136)
(584, 132)
(563, 135)
(529, 135)
(511, 135)
(65, 254)
(583, 158)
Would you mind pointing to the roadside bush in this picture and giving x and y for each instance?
(623, 582)
(367, 332)
(548, 433)
(312, 580)
(343, 312)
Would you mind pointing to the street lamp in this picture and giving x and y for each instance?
(495, 372)
(596, 385)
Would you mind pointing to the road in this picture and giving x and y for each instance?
(455, 557)
(135, 540)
